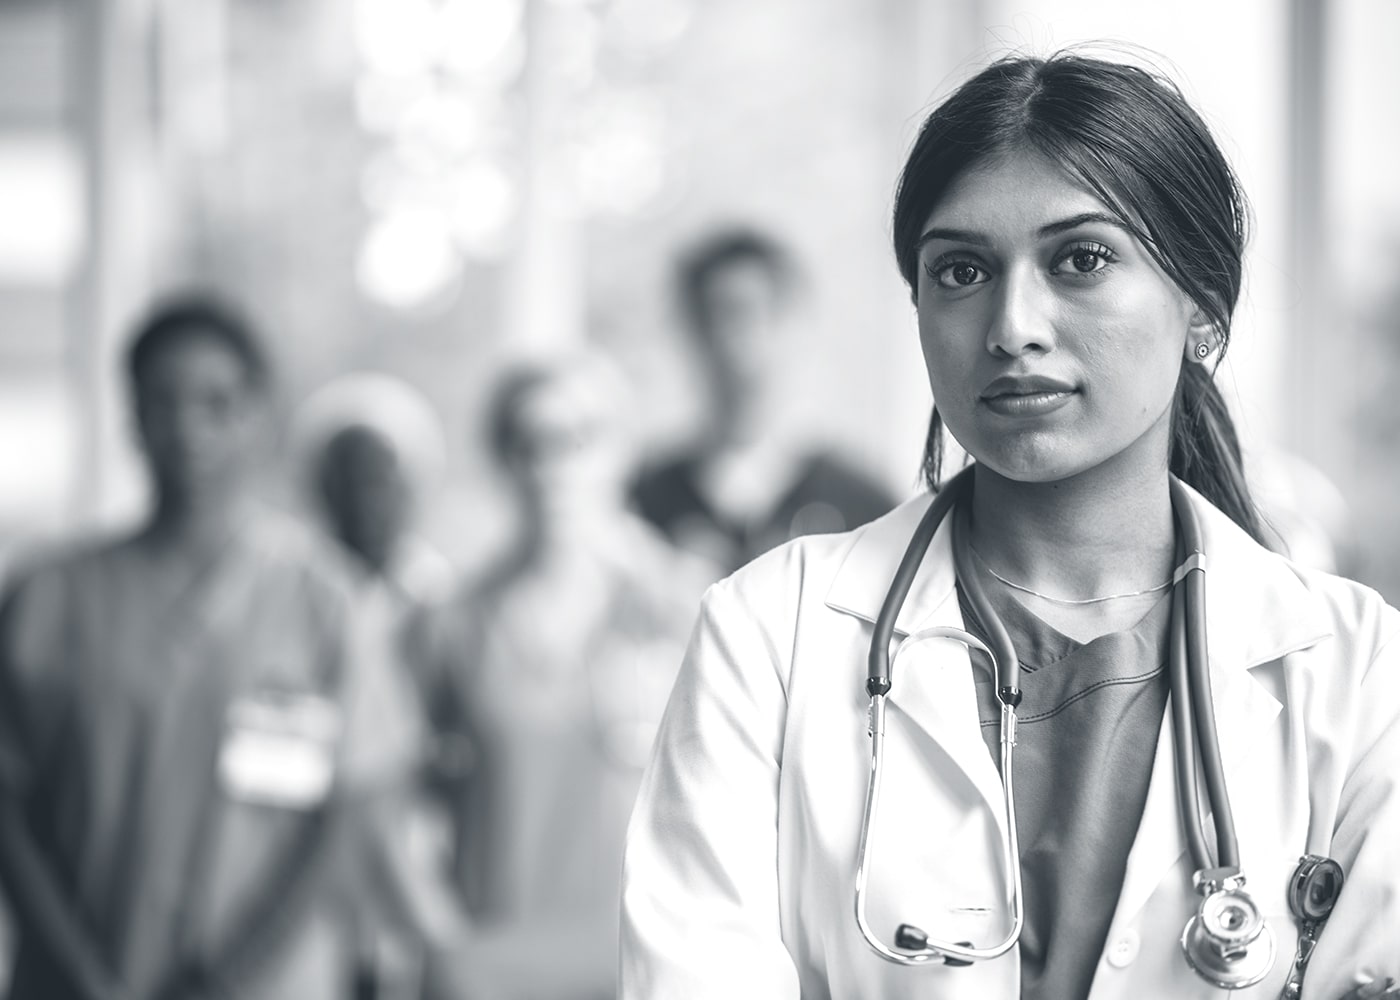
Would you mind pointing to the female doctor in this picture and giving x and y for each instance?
(1072, 238)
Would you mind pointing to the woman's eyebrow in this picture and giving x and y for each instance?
(1075, 221)
(952, 235)
(1049, 229)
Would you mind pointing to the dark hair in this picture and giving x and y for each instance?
(698, 266)
(177, 319)
(1134, 141)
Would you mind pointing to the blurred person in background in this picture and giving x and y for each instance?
(371, 447)
(174, 784)
(374, 449)
(742, 487)
(555, 665)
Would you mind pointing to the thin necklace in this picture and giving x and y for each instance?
(1065, 600)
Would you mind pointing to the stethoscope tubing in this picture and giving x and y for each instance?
(941, 951)
(878, 684)
(1193, 712)
(1196, 697)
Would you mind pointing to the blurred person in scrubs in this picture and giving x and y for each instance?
(174, 779)
(557, 662)
(371, 447)
(742, 486)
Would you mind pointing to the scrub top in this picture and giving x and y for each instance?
(826, 496)
(1087, 734)
(560, 711)
(174, 751)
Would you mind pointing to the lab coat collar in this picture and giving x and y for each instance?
(863, 580)
(932, 682)
(1257, 610)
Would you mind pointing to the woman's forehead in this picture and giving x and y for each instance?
(1013, 195)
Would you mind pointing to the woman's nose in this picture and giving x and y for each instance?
(1023, 316)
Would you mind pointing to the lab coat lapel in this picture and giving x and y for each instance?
(1256, 612)
(931, 680)
(1160, 842)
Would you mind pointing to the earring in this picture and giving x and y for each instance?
(1202, 349)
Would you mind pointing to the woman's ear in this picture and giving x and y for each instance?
(1202, 339)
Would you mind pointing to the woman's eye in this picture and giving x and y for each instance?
(957, 274)
(1088, 258)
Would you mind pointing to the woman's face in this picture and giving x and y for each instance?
(564, 458)
(1052, 338)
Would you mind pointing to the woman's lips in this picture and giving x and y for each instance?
(1027, 404)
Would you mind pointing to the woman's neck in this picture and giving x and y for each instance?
(1106, 531)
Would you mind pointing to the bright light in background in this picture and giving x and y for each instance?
(440, 90)
(621, 160)
(38, 448)
(42, 210)
(471, 38)
(483, 205)
(450, 121)
(397, 37)
(572, 47)
(435, 85)
(646, 26)
(481, 37)
(381, 101)
(408, 261)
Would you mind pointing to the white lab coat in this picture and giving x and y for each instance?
(741, 854)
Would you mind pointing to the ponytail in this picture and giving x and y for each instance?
(932, 468)
(1205, 450)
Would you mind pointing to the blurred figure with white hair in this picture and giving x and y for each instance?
(374, 448)
(369, 447)
(556, 663)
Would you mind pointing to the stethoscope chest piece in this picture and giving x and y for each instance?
(1227, 942)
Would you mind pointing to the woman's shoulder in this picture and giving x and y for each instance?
(807, 567)
(1352, 609)
(1267, 604)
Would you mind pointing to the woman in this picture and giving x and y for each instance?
(1072, 239)
(554, 666)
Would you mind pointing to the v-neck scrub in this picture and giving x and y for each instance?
(1087, 733)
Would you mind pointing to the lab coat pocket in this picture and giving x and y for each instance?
(936, 854)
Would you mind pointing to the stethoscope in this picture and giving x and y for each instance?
(1227, 941)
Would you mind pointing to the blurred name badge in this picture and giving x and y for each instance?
(279, 749)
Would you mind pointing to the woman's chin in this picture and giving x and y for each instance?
(1032, 466)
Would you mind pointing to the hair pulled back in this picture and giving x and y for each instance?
(1132, 139)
